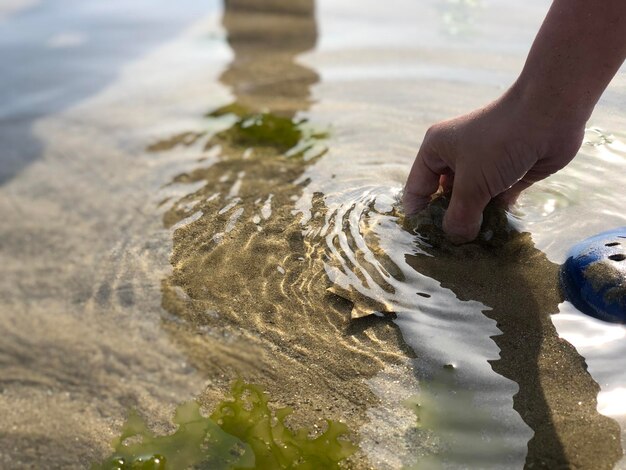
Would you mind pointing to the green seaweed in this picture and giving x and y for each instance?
(264, 129)
(246, 129)
(275, 446)
(242, 432)
(198, 440)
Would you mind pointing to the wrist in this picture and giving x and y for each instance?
(551, 106)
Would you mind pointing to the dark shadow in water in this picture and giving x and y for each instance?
(56, 54)
(557, 397)
(248, 292)
(358, 326)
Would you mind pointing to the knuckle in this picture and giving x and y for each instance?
(431, 133)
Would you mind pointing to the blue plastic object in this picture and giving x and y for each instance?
(594, 276)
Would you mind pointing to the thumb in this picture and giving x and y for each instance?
(464, 216)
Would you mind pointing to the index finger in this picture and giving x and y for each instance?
(423, 181)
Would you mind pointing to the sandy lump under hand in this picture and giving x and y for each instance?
(495, 230)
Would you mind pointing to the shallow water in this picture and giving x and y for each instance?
(156, 243)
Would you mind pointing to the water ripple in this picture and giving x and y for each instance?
(469, 409)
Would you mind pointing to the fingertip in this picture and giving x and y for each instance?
(464, 217)
(459, 233)
(422, 183)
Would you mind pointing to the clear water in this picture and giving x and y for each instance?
(148, 257)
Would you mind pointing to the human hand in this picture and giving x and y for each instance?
(498, 150)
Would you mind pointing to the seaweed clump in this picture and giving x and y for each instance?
(267, 133)
(242, 432)
(288, 136)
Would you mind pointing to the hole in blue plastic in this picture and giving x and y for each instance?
(422, 294)
(620, 257)
(612, 244)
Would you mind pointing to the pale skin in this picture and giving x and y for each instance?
(534, 129)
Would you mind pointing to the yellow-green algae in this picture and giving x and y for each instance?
(242, 432)
(265, 129)
(247, 129)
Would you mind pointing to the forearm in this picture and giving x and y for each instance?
(578, 50)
